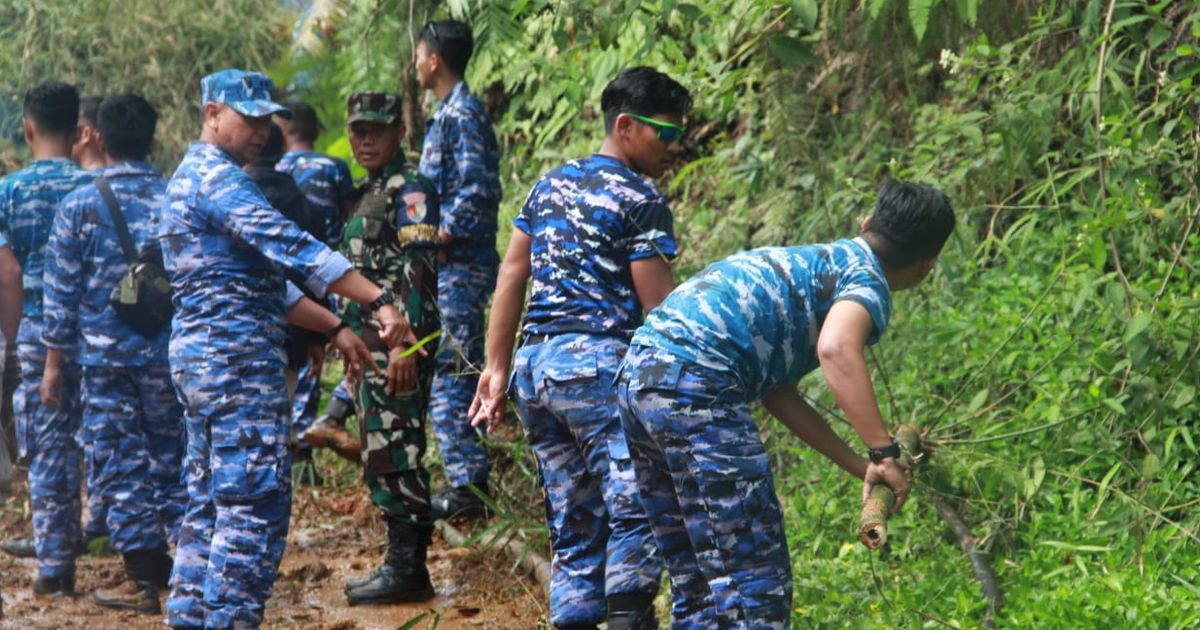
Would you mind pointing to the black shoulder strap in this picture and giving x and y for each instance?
(118, 217)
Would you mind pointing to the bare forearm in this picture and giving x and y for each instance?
(505, 317)
(12, 295)
(790, 408)
(312, 316)
(355, 286)
(846, 372)
(53, 358)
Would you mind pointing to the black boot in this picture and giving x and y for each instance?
(62, 585)
(20, 547)
(403, 577)
(631, 611)
(160, 572)
(139, 592)
(460, 502)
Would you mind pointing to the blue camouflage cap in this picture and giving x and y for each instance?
(248, 93)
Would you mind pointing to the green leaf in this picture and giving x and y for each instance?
(918, 14)
(807, 11)
(977, 401)
(790, 51)
(413, 349)
(875, 8)
(968, 10)
(1036, 475)
(1116, 406)
(689, 11)
(1137, 325)
(1186, 394)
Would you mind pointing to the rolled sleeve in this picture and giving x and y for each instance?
(651, 231)
(331, 266)
(292, 296)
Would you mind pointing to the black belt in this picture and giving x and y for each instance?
(533, 340)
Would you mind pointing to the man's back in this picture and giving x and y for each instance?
(29, 199)
(588, 219)
(325, 180)
(85, 261)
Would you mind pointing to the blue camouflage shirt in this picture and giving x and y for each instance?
(84, 262)
(760, 312)
(28, 201)
(462, 159)
(326, 182)
(588, 220)
(224, 246)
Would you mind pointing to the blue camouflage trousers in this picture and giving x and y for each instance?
(463, 292)
(306, 400)
(599, 534)
(97, 509)
(707, 488)
(238, 472)
(48, 438)
(134, 424)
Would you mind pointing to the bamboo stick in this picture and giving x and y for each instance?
(872, 530)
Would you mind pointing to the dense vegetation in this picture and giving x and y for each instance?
(1050, 357)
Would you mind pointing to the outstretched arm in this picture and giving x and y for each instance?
(790, 408)
(840, 350)
(12, 295)
(491, 393)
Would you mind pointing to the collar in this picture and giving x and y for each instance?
(127, 169)
(397, 165)
(212, 152)
(457, 94)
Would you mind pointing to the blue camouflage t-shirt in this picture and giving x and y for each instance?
(225, 247)
(759, 313)
(462, 159)
(28, 201)
(325, 180)
(589, 219)
(84, 262)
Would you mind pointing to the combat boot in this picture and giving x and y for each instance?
(631, 611)
(160, 571)
(61, 585)
(138, 592)
(329, 431)
(403, 576)
(460, 503)
(20, 547)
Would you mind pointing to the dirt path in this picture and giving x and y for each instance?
(334, 535)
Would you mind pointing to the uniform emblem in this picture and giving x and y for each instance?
(415, 202)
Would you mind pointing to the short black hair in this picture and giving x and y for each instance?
(89, 107)
(272, 151)
(304, 124)
(53, 106)
(451, 40)
(911, 223)
(126, 123)
(645, 91)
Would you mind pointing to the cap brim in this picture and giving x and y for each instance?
(370, 116)
(257, 109)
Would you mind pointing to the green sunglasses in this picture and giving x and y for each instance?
(667, 132)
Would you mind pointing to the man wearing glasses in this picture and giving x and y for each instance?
(596, 238)
(461, 157)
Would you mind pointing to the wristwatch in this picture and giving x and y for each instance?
(879, 454)
(385, 299)
(333, 332)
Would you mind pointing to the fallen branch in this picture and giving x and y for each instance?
(530, 560)
(872, 530)
(980, 564)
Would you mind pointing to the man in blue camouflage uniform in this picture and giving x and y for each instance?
(596, 238)
(224, 247)
(326, 182)
(745, 329)
(461, 157)
(131, 416)
(392, 239)
(47, 437)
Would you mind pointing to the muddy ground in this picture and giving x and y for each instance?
(334, 535)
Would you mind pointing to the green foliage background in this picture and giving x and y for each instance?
(1052, 354)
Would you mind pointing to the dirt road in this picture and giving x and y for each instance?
(334, 535)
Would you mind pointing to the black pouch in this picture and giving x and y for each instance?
(142, 298)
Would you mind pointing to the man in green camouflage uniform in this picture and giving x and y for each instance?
(392, 240)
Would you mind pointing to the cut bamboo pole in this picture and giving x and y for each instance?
(872, 530)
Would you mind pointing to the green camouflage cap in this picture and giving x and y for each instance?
(381, 107)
